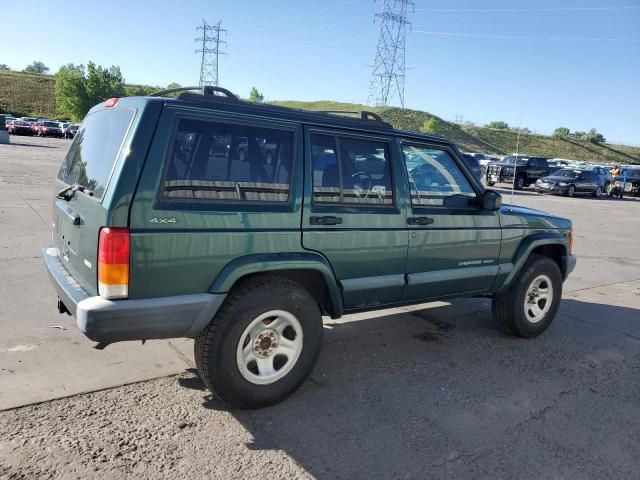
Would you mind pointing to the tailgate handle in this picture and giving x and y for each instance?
(419, 220)
(72, 216)
(325, 220)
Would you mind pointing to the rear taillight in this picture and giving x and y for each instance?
(113, 263)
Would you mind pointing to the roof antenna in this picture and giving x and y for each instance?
(515, 163)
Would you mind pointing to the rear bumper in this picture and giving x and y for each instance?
(104, 320)
(568, 264)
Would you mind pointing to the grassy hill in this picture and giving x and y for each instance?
(33, 95)
(27, 95)
(487, 140)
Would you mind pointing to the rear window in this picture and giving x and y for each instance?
(95, 148)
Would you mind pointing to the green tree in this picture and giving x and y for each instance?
(578, 135)
(36, 67)
(71, 91)
(593, 136)
(498, 124)
(78, 89)
(255, 95)
(561, 132)
(173, 85)
(430, 126)
(4, 67)
(140, 90)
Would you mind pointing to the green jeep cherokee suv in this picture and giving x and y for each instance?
(241, 224)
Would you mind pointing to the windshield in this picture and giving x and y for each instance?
(95, 148)
(565, 172)
(51, 124)
(515, 160)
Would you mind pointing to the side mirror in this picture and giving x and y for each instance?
(492, 200)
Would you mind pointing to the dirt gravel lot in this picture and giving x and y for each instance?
(433, 391)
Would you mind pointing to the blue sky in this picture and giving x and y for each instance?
(571, 63)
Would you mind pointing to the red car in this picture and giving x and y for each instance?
(19, 127)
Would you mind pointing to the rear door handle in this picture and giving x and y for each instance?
(325, 220)
(419, 220)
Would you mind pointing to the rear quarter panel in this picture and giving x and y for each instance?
(184, 250)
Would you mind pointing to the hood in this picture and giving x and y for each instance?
(552, 178)
(515, 216)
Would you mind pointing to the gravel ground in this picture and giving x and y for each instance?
(437, 392)
(151, 430)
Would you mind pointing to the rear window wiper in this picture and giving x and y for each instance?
(69, 192)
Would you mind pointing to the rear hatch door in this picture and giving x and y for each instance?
(88, 166)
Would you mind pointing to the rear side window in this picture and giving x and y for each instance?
(95, 148)
(351, 171)
(211, 161)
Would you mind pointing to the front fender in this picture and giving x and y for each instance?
(272, 262)
(527, 245)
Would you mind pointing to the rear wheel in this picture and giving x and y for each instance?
(598, 192)
(528, 307)
(571, 191)
(262, 343)
(519, 185)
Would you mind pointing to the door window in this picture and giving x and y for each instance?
(351, 171)
(212, 161)
(435, 179)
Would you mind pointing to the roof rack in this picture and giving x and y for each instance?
(363, 114)
(207, 91)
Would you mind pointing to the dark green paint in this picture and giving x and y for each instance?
(372, 259)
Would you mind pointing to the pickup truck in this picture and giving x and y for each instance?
(527, 171)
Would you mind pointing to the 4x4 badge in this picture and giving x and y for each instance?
(162, 220)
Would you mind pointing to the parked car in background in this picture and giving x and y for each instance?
(71, 130)
(603, 174)
(522, 170)
(19, 127)
(48, 129)
(474, 165)
(627, 183)
(569, 182)
(7, 119)
(29, 120)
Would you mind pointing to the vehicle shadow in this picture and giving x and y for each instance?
(438, 393)
(30, 145)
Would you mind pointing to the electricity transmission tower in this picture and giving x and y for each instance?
(388, 68)
(210, 50)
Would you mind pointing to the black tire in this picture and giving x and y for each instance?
(571, 191)
(491, 184)
(519, 184)
(621, 195)
(509, 306)
(598, 192)
(215, 348)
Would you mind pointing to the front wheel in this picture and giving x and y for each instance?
(571, 191)
(528, 307)
(262, 344)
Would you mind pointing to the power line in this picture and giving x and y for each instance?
(526, 37)
(210, 52)
(522, 10)
(389, 68)
(295, 17)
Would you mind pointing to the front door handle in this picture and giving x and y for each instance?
(419, 220)
(325, 220)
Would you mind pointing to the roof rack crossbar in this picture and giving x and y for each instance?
(363, 114)
(207, 90)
